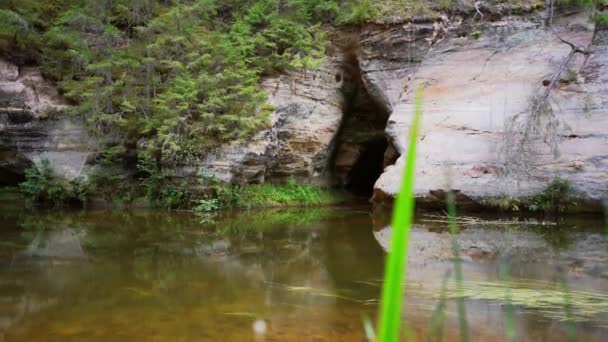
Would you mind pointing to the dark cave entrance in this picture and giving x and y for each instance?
(362, 150)
(12, 168)
(367, 168)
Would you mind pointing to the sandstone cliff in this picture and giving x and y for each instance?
(346, 123)
(478, 135)
(33, 126)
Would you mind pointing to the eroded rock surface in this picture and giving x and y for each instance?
(33, 126)
(478, 95)
(298, 143)
(481, 78)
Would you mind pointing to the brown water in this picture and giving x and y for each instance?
(297, 274)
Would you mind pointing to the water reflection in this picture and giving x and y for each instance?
(540, 269)
(287, 274)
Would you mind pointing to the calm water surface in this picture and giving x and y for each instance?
(297, 274)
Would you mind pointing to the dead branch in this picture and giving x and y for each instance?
(477, 5)
(466, 221)
(542, 100)
(574, 49)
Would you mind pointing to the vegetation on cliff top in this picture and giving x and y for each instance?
(173, 79)
(170, 79)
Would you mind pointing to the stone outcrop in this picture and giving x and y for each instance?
(481, 80)
(33, 127)
(479, 91)
(299, 142)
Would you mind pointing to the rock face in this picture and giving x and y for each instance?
(477, 135)
(299, 142)
(32, 127)
(481, 80)
(348, 122)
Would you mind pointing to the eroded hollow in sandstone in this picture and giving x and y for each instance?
(362, 151)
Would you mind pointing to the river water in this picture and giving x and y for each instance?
(290, 274)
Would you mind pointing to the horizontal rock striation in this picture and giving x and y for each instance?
(478, 136)
(32, 127)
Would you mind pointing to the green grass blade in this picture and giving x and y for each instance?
(396, 264)
(462, 314)
(606, 217)
(570, 327)
(505, 274)
(438, 317)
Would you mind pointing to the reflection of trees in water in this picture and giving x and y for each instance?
(145, 271)
(132, 260)
(351, 250)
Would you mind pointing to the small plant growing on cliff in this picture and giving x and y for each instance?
(557, 197)
(161, 190)
(571, 76)
(475, 34)
(42, 187)
(503, 203)
(206, 205)
(358, 12)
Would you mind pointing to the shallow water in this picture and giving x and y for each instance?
(291, 274)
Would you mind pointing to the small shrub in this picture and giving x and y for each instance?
(571, 76)
(475, 34)
(227, 195)
(111, 182)
(206, 205)
(357, 13)
(161, 189)
(503, 203)
(557, 197)
(601, 18)
(42, 187)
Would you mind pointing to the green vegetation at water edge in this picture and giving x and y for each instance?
(41, 186)
(557, 197)
(223, 196)
(161, 190)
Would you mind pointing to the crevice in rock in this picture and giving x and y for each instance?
(361, 150)
(12, 168)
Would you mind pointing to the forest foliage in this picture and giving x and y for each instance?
(170, 79)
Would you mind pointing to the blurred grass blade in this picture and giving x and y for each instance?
(438, 317)
(505, 274)
(368, 327)
(606, 217)
(570, 327)
(396, 263)
(462, 314)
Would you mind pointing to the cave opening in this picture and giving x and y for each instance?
(367, 168)
(12, 168)
(362, 150)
